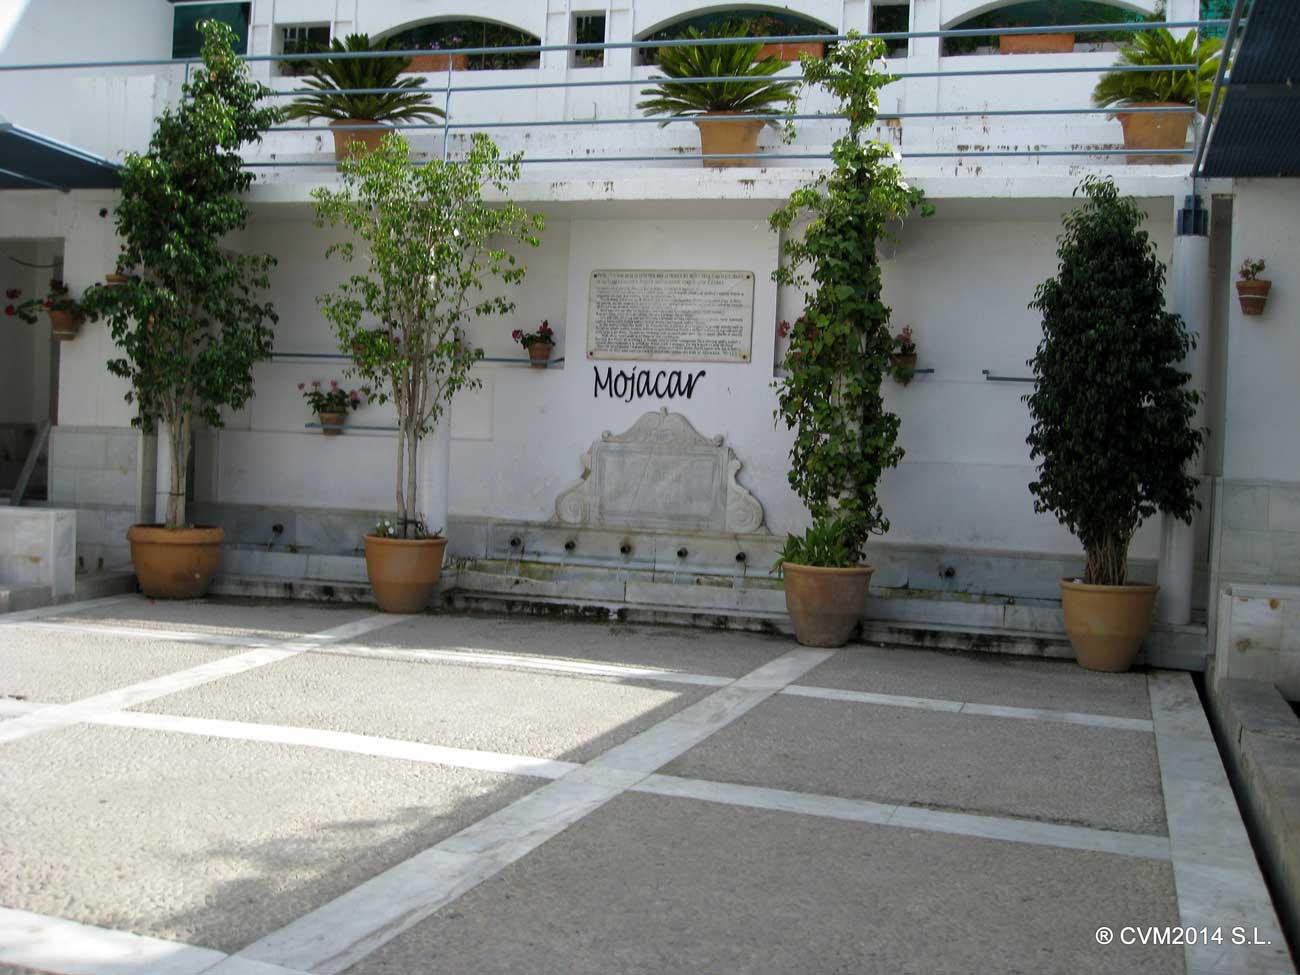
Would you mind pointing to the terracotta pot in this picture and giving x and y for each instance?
(343, 138)
(791, 51)
(904, 366)
(437, 62)
(175, 563)
(113, 280)
(331, 424)
(825, 604)
(65, 325)
(720, 137)
(1107, 624)
(404, 571)
(1035, 43)
(540, 354)
(1155, 130)
(1253, 295)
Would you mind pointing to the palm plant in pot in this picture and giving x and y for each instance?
(1112, 416)
(188, 323)
(429, 241)
(720, 107)
(344, 93)
(840, 352)
(1160, 90)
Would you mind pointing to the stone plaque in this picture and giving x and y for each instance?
(661, 475)
(680, 316)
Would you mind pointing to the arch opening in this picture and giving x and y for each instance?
(1046, 14)
(446, 34)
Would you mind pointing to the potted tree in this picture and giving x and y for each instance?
(1160, 89)
(1112, 417)
(188, 324)
(429, 240)
(840, 351)
(719, 107)
(1252, 290)
(339, 97)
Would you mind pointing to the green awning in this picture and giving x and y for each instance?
(29, 161)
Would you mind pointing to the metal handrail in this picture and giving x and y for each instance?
(1207, 130)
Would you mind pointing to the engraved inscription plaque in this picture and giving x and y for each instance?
(680, 316)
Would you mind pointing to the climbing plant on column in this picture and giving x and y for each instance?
(430, 239)
(839, 352)
(1113, 418)
(190, 321)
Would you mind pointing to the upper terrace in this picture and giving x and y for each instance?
(568, 98)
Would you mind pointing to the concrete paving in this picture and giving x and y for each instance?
(237, 788)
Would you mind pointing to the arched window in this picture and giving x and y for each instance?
(1046, 14)
(441, 35)
(757, 21)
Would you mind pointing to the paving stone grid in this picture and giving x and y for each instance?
(229, 787)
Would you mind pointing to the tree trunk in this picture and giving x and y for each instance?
(412, 448)
(178, 430)
(1107, 561)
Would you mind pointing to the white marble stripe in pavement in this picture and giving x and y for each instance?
(910, 817)
(59, 609)
(62, 715)
(339, 934)
(159, 635)
(51, 944)
(969, 707)
(1218, 882)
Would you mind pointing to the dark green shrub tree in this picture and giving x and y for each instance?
(845, 439)
(1112, 415)
(189, 322)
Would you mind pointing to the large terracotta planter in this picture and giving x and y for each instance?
(404, 571)
(1253, 295)
(343, 138)
(175, 563)
(825, 605)
(1107, 624)
(1035, 43)
(717, 138)
(64, 325)
(1155, 130)
(540, 354)
(437, 62)
(791, 51)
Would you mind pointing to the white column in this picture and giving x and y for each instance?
(432, 480)
(1193, 295)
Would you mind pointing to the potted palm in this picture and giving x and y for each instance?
(840, 351)
(189, 325)
(720, 107)
(1112, 416)
(1252, 290)
(340, 95)
(1160, 89)
(429, 240)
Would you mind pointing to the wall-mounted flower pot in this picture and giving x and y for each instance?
(903, 366)
(791, 51)
(175, 563)
(719, 137)
(1035, 43)
(1253, 295)
(64, 325)
(404, 572)
(1107, 624)
(343, 138)
(114, 280)
(825, 605)
(331, 424)
(437, 62)
(540, 354)
(1155, 130)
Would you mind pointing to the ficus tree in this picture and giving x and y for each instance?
(429, 239)
(190, 322)
(1113, 418)
(845, 438)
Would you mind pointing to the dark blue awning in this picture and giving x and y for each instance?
(1258, 132)
(29, 161)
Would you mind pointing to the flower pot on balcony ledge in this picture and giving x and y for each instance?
(1035, 43)
(540, 354)
(718, 137)
(344, 137)
(790, 51)
(437, 62)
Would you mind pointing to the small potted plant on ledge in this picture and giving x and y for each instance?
(1112, 416)
(331, 406)
(341, 94)
(429, 240)
(539, 344)
(1252, 291)
(65, 311)
(439, 62)
(840, 350)
(719, 107)
(902, 360)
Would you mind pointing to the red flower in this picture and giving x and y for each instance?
(334, 384)
(302, 385)
(10, 310)
(517, 334)
(47, 303)
(783, 329)
(545, 329)
(13, 293)
(315, 384)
